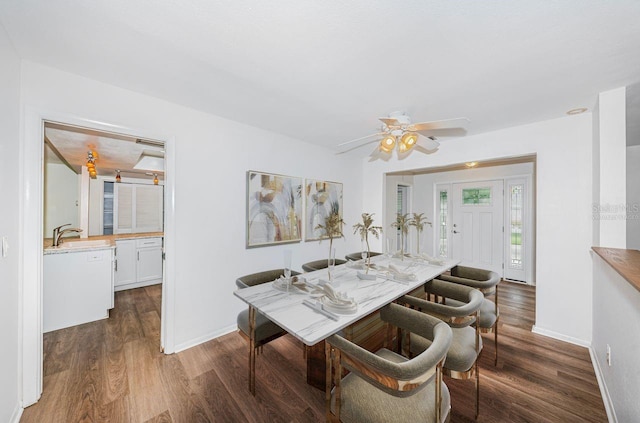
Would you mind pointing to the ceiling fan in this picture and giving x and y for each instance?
(398, 133)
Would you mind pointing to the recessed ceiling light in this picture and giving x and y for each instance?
(577, 111)
(471, 164)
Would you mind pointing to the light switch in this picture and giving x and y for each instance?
(5, 246)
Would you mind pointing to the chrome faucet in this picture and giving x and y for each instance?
(57, 233)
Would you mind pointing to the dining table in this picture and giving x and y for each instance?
(303, 309)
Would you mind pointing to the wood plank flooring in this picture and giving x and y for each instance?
(112, 371)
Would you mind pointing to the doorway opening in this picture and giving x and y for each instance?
(33, 233)
(483, 216)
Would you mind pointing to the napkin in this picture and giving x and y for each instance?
(335, 301)
(431, 260)
(297, 283)
(399, 275)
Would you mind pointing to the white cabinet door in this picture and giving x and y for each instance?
(138, 208)
(125, 262)
(123, 209)
(149, 264)
(76, 288)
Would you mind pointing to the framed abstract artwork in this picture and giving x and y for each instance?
(274, 209)
(321, 199)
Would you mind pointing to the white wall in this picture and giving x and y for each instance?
(61, 186)
(212, 156)
(616, 322)
(564, 195)
(613, 149)
(9, 223)
(633, 197)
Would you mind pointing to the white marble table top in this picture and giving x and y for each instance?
(311, 327)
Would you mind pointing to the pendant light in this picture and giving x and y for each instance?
(155, 179)
(118, 178)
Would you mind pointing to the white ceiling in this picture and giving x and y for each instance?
(324, 71)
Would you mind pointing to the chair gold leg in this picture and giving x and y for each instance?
(252, 350)
(495, 343)
(477, 390)
(439, 392)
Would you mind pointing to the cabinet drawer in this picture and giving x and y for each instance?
(148, 242)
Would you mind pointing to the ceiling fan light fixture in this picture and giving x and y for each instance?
(387, 144)
(407, 141)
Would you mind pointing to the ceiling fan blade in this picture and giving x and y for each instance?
(439, 124)
(428, 144)
(445, 132)
(356, 146)
(377, 154)
(390, 121)
(360, 139)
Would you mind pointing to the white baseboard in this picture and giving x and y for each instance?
(136, 285)
(560, 336)
(201, 339)
(17, 414)
(604, 392)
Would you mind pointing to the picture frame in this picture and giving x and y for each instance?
(274, 209)
(321, 198)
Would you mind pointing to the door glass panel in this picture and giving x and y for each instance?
(402, 208)
(476, 196)
(515, 226)
(444, 212)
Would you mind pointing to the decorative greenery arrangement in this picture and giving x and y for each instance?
(364, 228)
(418, 221)
(333, 227)
(402, 223)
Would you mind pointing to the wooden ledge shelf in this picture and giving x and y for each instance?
(625, 262)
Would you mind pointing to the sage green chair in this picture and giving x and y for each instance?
(466, 344)
(358, 256)
(385, 386)
(486, 282)
(320, 264)
(265, 330)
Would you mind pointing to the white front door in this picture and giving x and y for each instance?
(477, 227)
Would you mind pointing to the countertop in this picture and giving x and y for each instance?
(50, 249)
(625, 262)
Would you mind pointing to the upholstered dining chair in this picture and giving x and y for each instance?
(487, 282)
(385, 386)
(319, 264)
(466, 344)
(265, 330)
(358, 256)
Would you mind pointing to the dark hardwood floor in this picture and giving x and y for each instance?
(112, 371)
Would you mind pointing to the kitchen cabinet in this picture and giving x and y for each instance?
(138, 263)
(125, 262)
(138, 208)
(77, 287)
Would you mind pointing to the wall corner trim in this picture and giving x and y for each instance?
(560, 336)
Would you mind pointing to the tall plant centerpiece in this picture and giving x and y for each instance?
(365, 228)
(333, 229)
(402, 224)
(418, 220)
